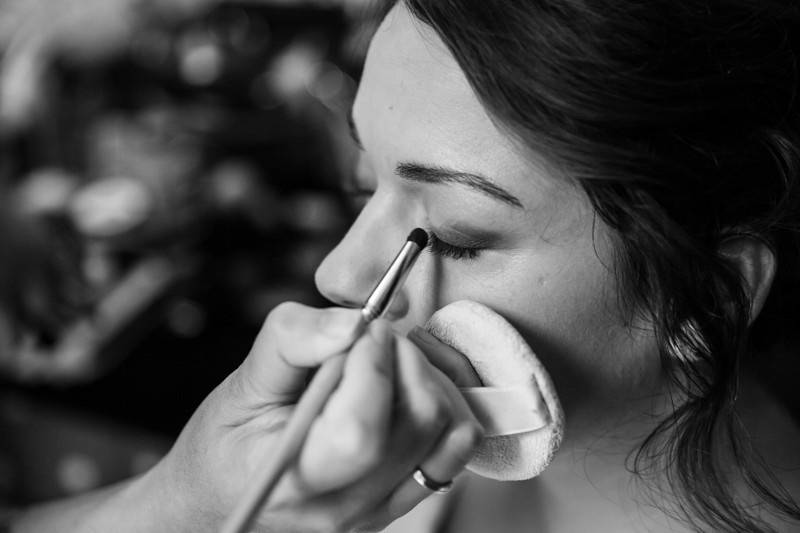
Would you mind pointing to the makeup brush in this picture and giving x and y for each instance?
(320, 389)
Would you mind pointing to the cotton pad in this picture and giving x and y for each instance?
(517, 406)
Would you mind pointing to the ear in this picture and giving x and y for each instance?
(756, 263)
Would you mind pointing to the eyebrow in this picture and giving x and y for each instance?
(437, 175)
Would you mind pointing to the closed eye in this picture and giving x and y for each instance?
(452, 251)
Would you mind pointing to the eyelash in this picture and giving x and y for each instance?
(445, 249)
(436, 245)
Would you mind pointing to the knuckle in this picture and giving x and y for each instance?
(464, 438)
(353, 441)
(431, 412)
(281, 316)
(380, 366)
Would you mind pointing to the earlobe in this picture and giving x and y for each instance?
(756, 263)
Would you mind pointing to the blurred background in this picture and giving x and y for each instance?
(169, 172)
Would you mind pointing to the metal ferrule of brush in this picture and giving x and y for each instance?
(385, 291)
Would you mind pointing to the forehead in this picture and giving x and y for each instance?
(410, 71)
(414, 102)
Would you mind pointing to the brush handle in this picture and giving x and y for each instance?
(320, 389)
(310, 405)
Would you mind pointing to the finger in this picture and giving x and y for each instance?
(447, 359)
(421, 402)
(293, 338)
(349, 437)
(450, 453)
(427, 406)
(458, 442)
(456, 406)
(421, 413)
(424, 410)
(441, 467)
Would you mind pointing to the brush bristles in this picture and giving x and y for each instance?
(419, 237)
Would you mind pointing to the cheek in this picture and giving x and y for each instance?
(566, 307)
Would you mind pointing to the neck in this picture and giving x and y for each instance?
(595, 461)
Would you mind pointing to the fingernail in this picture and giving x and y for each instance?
(423, 335)
(339, 322)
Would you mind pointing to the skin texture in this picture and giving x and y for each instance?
(354, 470)
(546, 267)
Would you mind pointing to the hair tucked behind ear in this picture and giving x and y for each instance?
(680, 120)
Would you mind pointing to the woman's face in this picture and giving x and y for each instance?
(512, 234)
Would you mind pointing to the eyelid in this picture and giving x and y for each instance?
(442, 248)
(465, 239)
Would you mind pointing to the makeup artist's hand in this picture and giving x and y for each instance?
(392, 412)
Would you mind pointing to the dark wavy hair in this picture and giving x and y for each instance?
(679, 119)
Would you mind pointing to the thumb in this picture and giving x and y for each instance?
(294, 338)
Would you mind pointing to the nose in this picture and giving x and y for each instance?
(352, 269)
